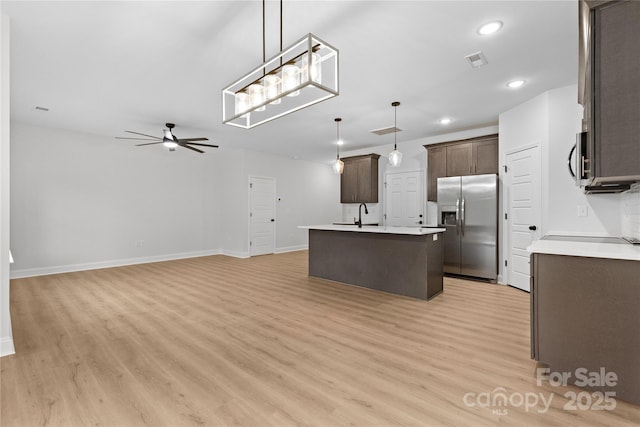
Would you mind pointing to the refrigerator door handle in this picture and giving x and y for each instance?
(457, 216)
(462, 219)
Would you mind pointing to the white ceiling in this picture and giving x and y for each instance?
(106, 67)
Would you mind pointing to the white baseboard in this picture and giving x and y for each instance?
(234, 254)
(237, 254)
(43, 271)
(291, 249)
(6, 346)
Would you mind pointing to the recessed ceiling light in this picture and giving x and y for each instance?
(490, 28)
(445, 121)
(515, 84)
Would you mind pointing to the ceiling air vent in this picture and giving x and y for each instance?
(477, 60)
(385, 131)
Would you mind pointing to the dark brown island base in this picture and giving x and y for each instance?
(401, 260)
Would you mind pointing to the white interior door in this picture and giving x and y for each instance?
(405, 199)
(523, 212)
(262, 195)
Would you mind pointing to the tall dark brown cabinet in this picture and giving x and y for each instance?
(617, 82)
(436, 167)
(359, 180)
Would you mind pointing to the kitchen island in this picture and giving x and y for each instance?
(401, 260)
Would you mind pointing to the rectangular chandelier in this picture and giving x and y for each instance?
(302, 75)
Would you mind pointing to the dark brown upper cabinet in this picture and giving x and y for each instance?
(475, 156)
(485, 156)
(359, 180)
(459, 159)
(608, 158)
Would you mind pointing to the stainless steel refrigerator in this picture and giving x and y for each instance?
(468, 210)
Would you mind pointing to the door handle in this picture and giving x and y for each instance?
(273, 220)
(462, 220)
(573, 175)
(457, 216)
(533, 228)
(419, 222)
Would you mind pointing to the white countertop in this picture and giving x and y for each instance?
(415, 231)
(586, 249)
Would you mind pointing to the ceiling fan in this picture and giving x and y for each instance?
(170, 141)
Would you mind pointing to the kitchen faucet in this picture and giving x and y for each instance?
(366, 212)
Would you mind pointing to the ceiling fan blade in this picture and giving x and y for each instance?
(141, 139)
(192, 139)
(191, 148)
(143, 134)
(202, 145)
(149, 143)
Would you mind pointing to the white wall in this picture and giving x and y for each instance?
(6, 337)
(235, 203)
(522, 126)
(79, 200)
(307, 193)
(563, 195)
(552, 120)
(84, 201)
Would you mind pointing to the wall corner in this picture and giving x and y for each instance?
(6, 336)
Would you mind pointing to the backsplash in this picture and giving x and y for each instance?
(432, 214)
(350, 211)
(630, 212)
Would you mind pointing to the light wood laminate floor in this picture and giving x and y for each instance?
(256, 342)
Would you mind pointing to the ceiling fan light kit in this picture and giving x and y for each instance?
(302, 75)
(170, 141)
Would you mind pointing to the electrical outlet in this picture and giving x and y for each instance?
(583, 210)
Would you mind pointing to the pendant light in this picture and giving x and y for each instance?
(395, 157)
(299, 76)
(338, 165)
